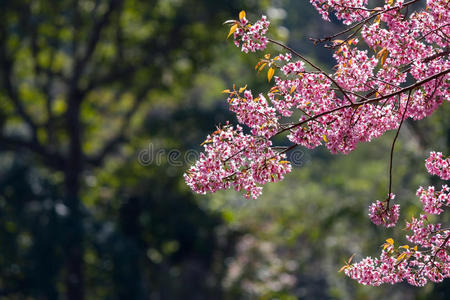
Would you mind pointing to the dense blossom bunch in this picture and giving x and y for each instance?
(253, 112)
(250, 37)
(436, 164)
(381, 213)
(400, 263)
(428, 259)
(433, 200)
(237, 160)
(346, 10)
(355, 68)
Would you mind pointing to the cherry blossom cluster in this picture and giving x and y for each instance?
(355, 68)
(381, 213)
(308, 92)
(412, 41)
(345, 10)
(366, 96)
(428, 259)
(314, 94)
(342, 129)
(254, 112)
(251, 37)
(236, 160)
(406, 263)
(433, 200)
(436, 164)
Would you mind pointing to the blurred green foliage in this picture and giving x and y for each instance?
(126, 78)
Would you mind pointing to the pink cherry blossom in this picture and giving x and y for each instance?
(433, 200)
(436, 164)
(236, 160)
(254, 112)
(381, 213)
(251, 37)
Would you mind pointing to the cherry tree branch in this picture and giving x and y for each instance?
(312, 65)
(362, 22)
(405, 89)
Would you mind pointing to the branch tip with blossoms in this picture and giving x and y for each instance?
(381, 213)
(438, 165)
(428, 259)
(236, 160)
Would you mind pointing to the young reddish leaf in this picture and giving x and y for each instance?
(389, 242)
(383, 58)
(232, 30)
(273, 89)
(242, 14)
(378, 19)
(383, 55)
(401, 256)
(381, 52)
(270, 74)
(262, 67)
(206, 142)
(292, 89)
(350, 259)
(343, 268)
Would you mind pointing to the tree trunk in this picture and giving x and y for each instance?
(75, 238)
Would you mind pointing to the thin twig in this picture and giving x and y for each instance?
(392, 149)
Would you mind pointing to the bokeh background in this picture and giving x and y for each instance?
(101, 100)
